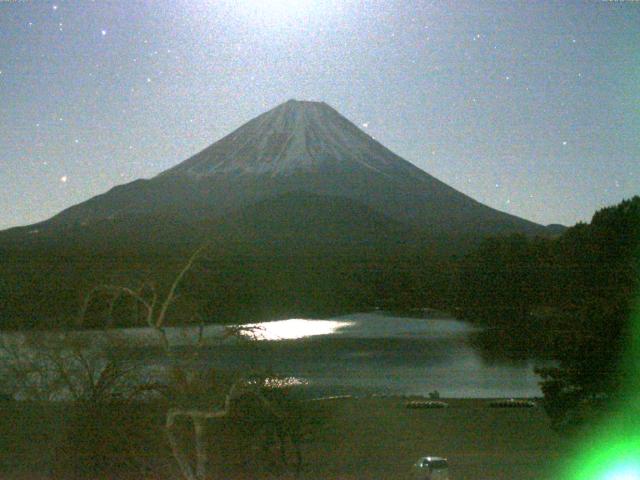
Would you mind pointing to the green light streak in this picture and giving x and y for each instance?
(612, 450)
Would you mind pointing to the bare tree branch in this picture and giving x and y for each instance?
(172, 291)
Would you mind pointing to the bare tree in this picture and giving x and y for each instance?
(64, 365)
(186, 377)
(198, 418)
(146, 296)
(155, 313)
(92, 387)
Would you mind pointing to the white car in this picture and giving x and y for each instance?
(431, 468)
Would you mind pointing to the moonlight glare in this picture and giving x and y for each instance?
(429, 78)
(286, 14)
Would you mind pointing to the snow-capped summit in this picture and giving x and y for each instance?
(292, 137)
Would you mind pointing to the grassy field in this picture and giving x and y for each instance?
(380, 438)
(364, 438)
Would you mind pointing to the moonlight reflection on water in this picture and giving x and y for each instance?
(294, 328)
(362, 353)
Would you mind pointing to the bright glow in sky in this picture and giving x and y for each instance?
(279, 11)
(528, 107)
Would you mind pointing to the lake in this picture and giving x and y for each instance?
(374, 353)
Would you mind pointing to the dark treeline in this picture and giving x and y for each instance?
(297, 255)
(535, 289)
(45, 287)
(569, 298)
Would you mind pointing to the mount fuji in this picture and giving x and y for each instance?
(297, 149)
(304, 213)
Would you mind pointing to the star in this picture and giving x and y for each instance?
(365, 124)
(64, 179)
(55, 7)
(103, 32)
(148, 80)
(564, 142)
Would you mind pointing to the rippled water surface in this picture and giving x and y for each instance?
(378, 353)
(360, 354)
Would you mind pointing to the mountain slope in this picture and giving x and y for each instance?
(305, 213)
(286, 220)
(298, 147)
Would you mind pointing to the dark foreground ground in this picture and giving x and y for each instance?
(381, 438)
(367, 438)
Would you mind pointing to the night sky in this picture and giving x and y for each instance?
(530, 107)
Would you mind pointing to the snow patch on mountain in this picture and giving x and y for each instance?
(295, 136)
